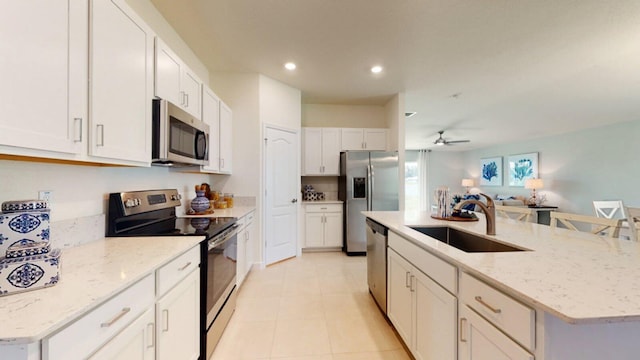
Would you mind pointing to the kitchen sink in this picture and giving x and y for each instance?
(464, 241)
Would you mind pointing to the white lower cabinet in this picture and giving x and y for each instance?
(93, 329)
(135, 342)
(323, 225)
(423, 312)
(156, 318)
(178, 319)
(245, 236)
(479, 340)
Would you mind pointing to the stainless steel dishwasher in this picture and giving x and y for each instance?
(377, 262)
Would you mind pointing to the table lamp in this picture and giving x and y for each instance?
(533, 184)
(467, 183)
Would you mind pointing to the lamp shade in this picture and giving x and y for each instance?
(467, 182)
(533, 184)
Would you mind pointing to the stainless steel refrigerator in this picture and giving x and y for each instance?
(368, 182)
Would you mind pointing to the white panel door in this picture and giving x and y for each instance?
(168, 71)
(352, 139)
(399, 299)
(333, 229)
(135, 342)
(479, 340)
(435, 317)
(121, 74)
(314, 230)
(178, 321)
(192, 87)
(211, 116)
(375, 139)
(43, 74)
(281, 175)
(312, 151)
(226, 138)
(331, 151)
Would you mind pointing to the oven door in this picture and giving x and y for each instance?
(221, 271)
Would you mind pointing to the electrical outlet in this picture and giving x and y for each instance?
(46, 195)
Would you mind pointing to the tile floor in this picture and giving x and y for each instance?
(315, 307)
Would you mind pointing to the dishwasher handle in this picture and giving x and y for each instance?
(377, 227)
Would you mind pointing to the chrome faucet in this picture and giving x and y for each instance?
(489, 211)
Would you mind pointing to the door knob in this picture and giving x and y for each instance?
(294, 201)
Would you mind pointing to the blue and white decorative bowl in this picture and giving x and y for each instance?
(29, 272)
(24, 205)
(23, 227)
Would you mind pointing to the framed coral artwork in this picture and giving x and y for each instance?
(491, 171)
(522, 167)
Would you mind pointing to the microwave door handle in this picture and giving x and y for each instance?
(200, 136)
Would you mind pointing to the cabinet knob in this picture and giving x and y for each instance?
(294, 200)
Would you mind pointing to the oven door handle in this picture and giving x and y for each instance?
(231, 232)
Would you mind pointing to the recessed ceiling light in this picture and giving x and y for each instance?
(290, 66)
(376, 69)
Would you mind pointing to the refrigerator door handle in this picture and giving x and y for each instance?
(369, 192)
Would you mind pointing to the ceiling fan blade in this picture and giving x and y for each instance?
(457, 141)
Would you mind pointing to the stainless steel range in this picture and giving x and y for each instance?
(153, 213)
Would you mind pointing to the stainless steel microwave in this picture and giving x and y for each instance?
(178, 137)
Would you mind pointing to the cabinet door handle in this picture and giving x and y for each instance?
(100, 129)
(407, 279)
(463, 323)
(221, 163)
(411, 283)
(77, 122)
(494, 310)
(165, 320)
(187, 99)
(113, 320)
(151, 329)
(185, 266)
(182, 98)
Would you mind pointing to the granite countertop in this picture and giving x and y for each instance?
(576, 276)
(89, 275)
(320, 202)
(236, 211)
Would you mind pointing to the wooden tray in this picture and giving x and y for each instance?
(454, 218)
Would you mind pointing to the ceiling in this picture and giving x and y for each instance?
(491, 71)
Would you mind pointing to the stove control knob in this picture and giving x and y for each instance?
(129, 203)
(176, 197)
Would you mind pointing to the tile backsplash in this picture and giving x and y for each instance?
(326, 184)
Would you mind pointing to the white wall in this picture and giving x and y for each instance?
(577, 168)
(394, 113)
(280, 104)
(445, 169)
(80, 190)
(354, 116)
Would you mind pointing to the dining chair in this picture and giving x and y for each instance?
(613, 209)
(514, 212)
(633, 219)
(608, 227)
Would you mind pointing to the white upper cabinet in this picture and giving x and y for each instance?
(175, 82)
(43, 70)
(364, 139)
(121, 83)
(211, 116)
(226, 134)
(321, 151)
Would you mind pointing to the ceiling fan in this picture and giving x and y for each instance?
(441, 141)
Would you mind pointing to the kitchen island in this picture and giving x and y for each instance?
(583, 288)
